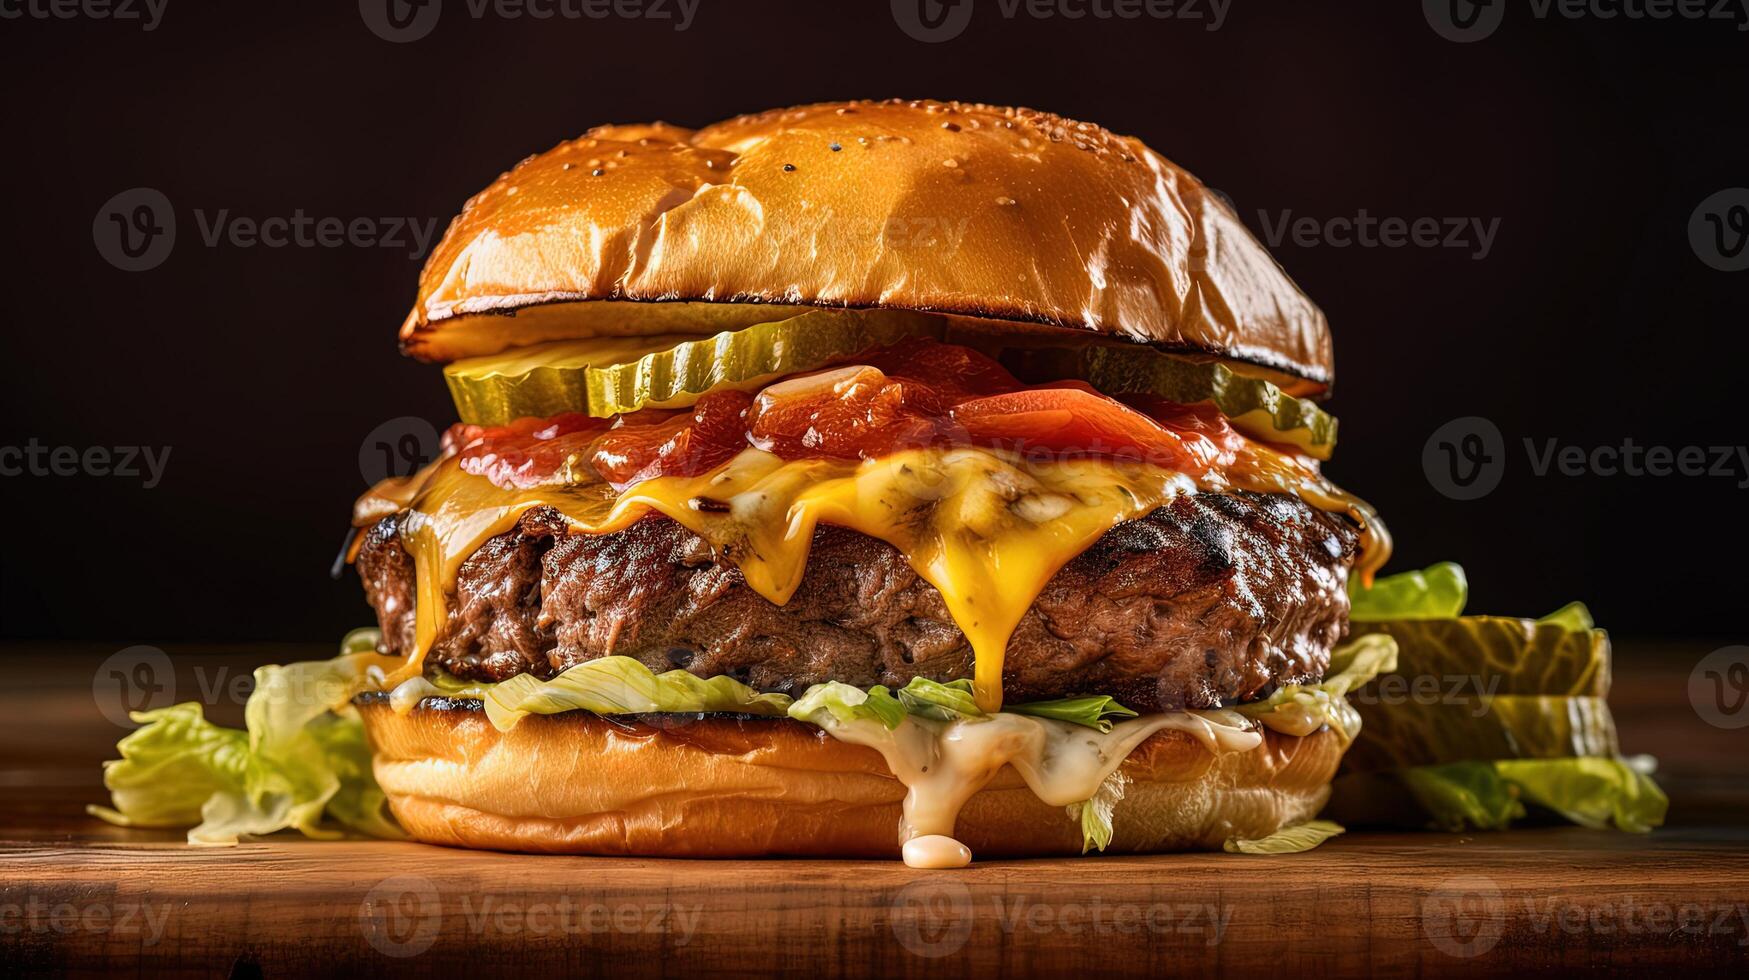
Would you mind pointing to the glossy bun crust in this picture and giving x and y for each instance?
(717, 787)
(984, 211)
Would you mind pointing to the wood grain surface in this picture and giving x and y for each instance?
(79, 896)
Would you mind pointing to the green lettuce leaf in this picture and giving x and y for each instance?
(949, 701)
(1091, 712)
(1303, 709)
(303, 763)
(1590, 792)
(944, 702)
(1288, 840)
(1464, 794)
(1094, 815)
(847, 703)
(1439, 592)
(1490, 795)
(621, 685)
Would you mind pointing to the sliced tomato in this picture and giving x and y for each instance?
(954, 372)
(1074, 420)
(1203, 420)
(528, 452)
(850, 412)
(650, 444)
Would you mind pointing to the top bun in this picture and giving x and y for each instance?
(983, 211)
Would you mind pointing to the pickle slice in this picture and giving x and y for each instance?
(1408, 731)
(1512, 656)
(612, 375)
(1255, 406)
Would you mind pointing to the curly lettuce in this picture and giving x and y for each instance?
(950, 701)
(621, 685)
(1303, 709)
(302, 763)
(1592, 792)
(1297, 839)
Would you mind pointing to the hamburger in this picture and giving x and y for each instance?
(858, 479)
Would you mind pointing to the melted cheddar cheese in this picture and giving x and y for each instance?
(987, 528)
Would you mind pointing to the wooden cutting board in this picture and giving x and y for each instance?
(77, 895)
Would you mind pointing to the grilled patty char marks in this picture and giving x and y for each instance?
(1213, 599)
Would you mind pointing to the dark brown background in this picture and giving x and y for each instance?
(1592, 320)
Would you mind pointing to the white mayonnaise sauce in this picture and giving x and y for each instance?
(942, 764)
(933, 851)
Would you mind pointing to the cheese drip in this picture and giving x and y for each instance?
(987, 528)
(944, 764)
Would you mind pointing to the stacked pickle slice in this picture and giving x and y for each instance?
(1487, 719)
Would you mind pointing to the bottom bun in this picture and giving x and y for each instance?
(713, 786)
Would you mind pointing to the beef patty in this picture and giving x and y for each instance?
(1213, 599)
